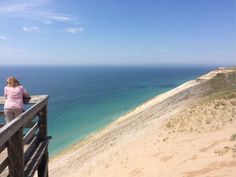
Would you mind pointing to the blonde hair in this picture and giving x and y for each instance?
(12, 81)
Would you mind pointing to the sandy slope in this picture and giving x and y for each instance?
(189, 131)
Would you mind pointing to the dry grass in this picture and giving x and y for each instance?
(233, 137)
(213, 113)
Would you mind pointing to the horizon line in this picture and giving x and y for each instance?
(122, 65)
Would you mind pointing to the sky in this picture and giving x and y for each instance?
(117, 32)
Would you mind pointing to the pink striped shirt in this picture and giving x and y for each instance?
(14, 97)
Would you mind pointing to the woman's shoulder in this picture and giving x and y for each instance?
(21, 87)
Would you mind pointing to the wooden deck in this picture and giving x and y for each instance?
(24, 141)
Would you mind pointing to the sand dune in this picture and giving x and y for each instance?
(187, 132)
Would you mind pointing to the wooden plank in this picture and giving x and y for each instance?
(3, 165)
(30, 150)
(16, 154)
(30, 133)
(11, 128)
(34, 161)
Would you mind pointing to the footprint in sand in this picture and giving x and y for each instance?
(166, 158)
(210, 168)
(136, 173)
(209, 147)
(156, 154)
(194, 157)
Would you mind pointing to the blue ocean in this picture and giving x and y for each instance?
(83, 99)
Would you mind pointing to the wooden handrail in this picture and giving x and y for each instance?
(34, 99)
(13, 140)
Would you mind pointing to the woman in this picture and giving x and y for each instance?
(14, 93)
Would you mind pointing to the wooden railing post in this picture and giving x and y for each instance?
(43, 123)
(43, 166)
(16, 154)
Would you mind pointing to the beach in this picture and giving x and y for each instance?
(188, 131)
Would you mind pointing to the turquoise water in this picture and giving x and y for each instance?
(85, 99)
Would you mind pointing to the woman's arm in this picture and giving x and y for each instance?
(25, 93)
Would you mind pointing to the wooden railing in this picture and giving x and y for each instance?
(24, 141)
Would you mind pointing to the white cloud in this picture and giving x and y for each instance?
(58, 17)
(30, 29)
(37, 10)
(14, 8)
(74, 30)
(3, 37)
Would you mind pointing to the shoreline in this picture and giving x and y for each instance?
(145, 105)
(141, 107)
